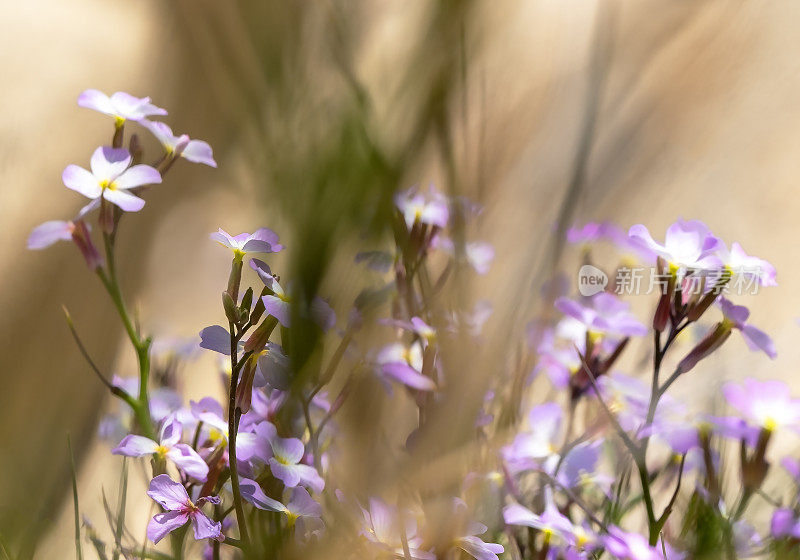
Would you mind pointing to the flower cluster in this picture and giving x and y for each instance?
(584, 461)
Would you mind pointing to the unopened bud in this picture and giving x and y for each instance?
(247, 300)
(713, 340)
(258, 340)
(235, 278)
(135, 149)
(244, 391)
(81, 237)
(230, 308)
(661, 315)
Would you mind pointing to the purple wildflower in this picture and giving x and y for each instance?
(382, 526)
(629, 546)
(688, 244)
(301, 505)
(286, 465)
(736, 317)
(111, 178)
(263, 240)
(180, 509)
(168, 447)
(551, 522)
(425, 207)
(740, 263)
(468, 539)
(278, 304)
(604, 314)
(785, 524)
(537, 445)
(404, 364)
(766, 404)
(122, 106)
(195, 151)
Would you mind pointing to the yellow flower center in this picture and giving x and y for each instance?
(161, 451)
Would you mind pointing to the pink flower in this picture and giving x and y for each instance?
(179, 510)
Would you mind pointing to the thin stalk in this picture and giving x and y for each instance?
(233, 421)
(76, 506)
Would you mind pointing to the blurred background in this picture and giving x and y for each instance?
(547, 113)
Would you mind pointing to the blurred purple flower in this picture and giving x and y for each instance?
(766, 404)
(172, 497)
(403, 364)
(382, 526)
(629, 546)
(603, 313)
(688, 243)
(785, 524)
(426, 207)
(111, 178)
(736, 317)
(740, 263)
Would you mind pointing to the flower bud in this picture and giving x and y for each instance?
(230, 308)
(258, 340)
(235, 278)
(244, 391)
(135, 149)
(81, 237)
(713, 340)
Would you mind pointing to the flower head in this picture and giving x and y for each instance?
(426, 207)
(195, 151)
(122, 106)
(603, 314)
(740, 263)
(767, 404)
(168, 447)
(688, 244)
(111, 178)
(278, 303)
(401, 363)
(263, 240)
(173, 497)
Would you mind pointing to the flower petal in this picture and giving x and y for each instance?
(198, 151)
(107, 162)
(124, 199)
(163, 523)
(253, 493)
(204, 528)
(48, 233)
(216, 338)
(187, 459)
(80, 180)
(170, 494)
(97, 100)
(137, 176)
(135, 446)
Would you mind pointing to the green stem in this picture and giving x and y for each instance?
(233, 422)
(141, 409)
